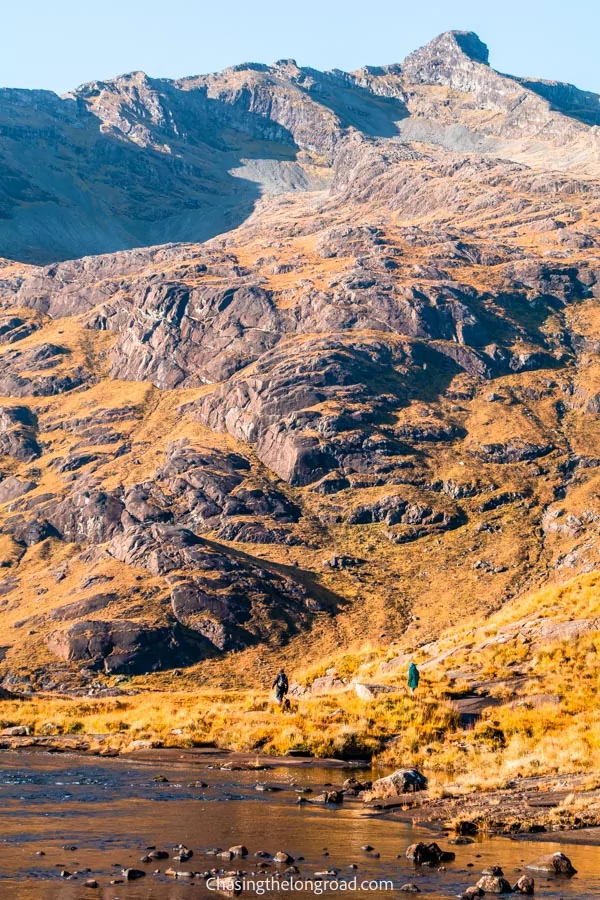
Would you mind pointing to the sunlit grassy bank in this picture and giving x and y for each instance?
(547, 721)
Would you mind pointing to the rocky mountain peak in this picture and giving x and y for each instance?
(446, 57)
(184, 160)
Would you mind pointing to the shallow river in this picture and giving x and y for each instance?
(112, 810)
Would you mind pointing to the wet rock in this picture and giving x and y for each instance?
(178, 873)
(494, 884)
(525, 885)
(352, 787)
(402, 781)
(158, 854)
(91, 883)
(132, 874)
(553, 864)
(428, 854)
(282, 857)
(472, 892)
(464, 827)
(410, 888)
(182, 854)
(228, 884)
(239, 850)
(333, 797)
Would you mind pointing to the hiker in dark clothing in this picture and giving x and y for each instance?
(281, 686)
(413, 677)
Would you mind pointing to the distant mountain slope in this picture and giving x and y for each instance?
(137, 161)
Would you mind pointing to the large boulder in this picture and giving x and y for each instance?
(428, 854)
(371, 691)
(525, 885)
(402, 781)
(494, 884)
(553, 864)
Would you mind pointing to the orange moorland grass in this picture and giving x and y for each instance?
(342, 726)
(551, 725)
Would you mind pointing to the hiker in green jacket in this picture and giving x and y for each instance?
(413, 677)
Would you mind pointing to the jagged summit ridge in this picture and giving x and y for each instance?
(437, 61)
(164, 160)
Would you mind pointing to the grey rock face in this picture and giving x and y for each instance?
(344, 346)
(82, 608)
(87, 515)
(12, 488)
(177, 337)
(123, 646)
(232, 602)
(271, 408)
(513, 451)
(18, 433)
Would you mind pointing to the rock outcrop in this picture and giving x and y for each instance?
(353, 386)
(126, 647)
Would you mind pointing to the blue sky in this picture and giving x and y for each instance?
(59, 45)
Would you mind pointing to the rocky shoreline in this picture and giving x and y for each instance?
(534, 810)
(543, 808)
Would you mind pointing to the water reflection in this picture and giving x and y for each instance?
(111, 811)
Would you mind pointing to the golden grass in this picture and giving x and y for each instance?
(338, 726)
